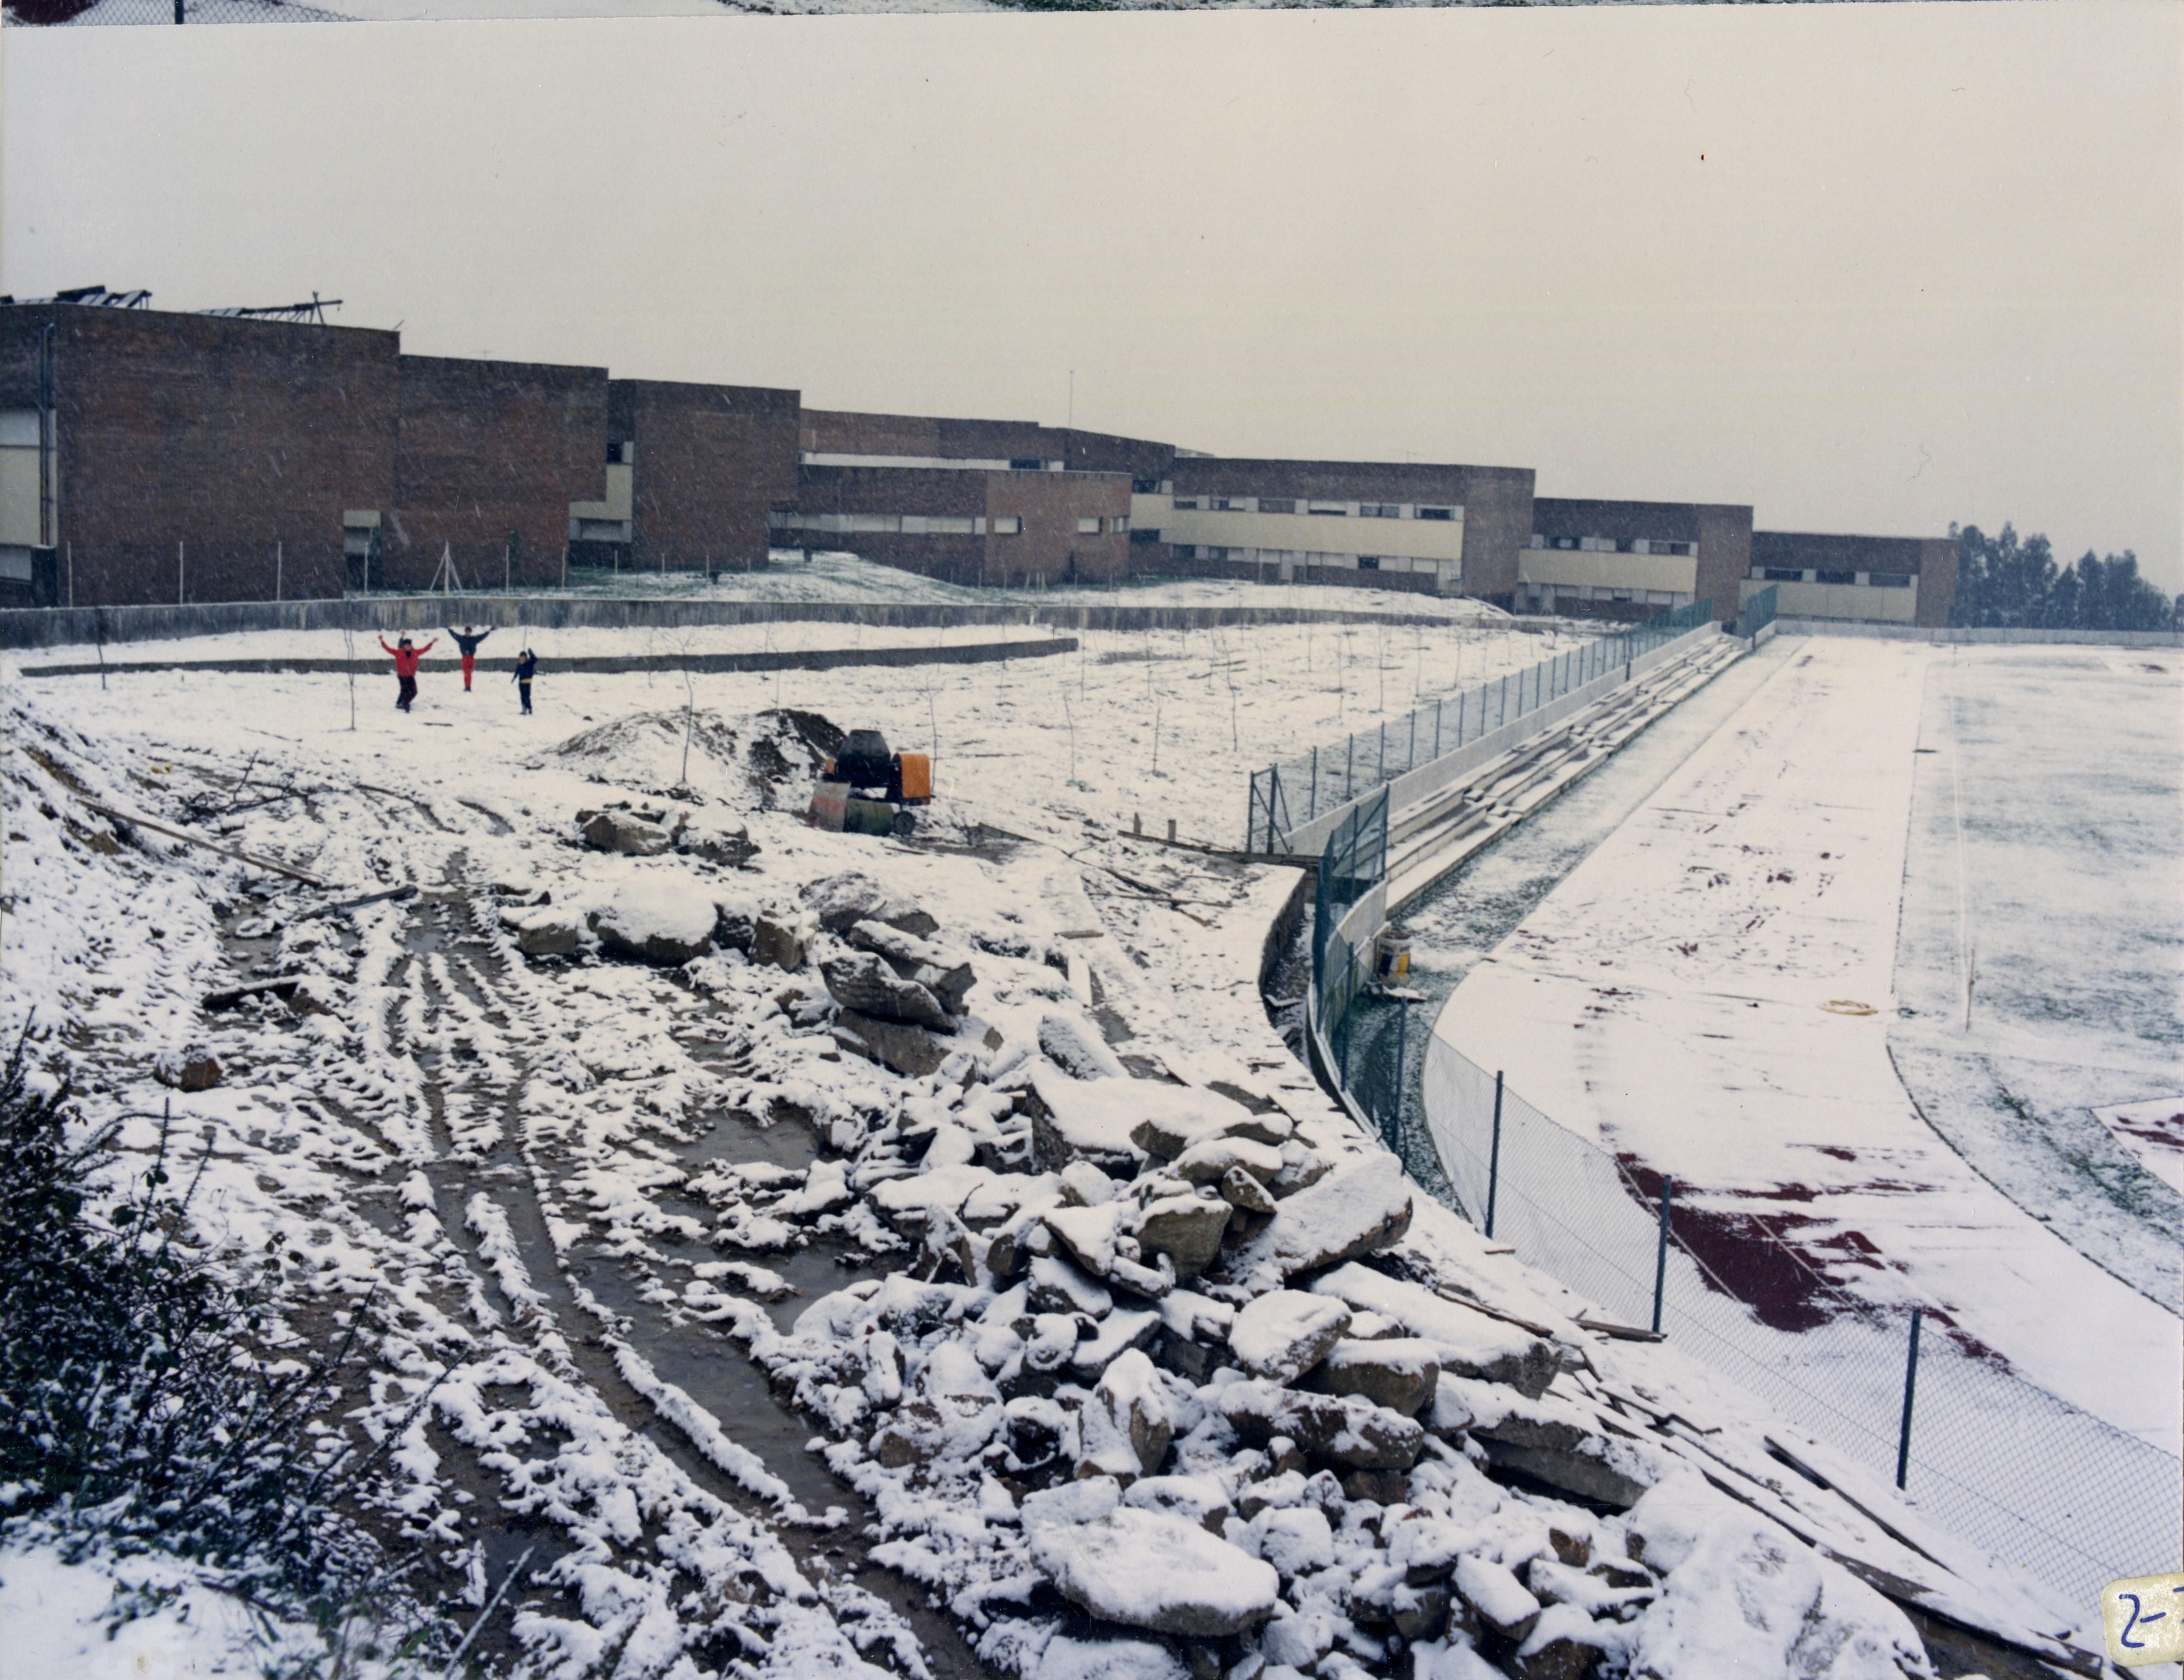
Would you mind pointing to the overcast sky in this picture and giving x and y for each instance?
(1868, 268)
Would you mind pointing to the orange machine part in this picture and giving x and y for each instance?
(916, 779)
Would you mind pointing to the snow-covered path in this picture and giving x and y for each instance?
(1708, 994)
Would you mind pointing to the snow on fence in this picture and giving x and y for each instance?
(1290, 797)
(1991, 1457)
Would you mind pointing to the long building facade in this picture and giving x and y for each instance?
(152, 456)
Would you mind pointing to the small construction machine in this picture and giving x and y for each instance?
(867, 790)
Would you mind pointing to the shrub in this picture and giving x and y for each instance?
(138, 1407)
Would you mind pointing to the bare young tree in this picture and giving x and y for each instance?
(348, 647)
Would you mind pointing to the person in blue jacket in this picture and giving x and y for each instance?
(526, 667)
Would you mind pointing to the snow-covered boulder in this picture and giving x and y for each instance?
(1504, 1602)
(842, 900)
(1173, 1117)
(1398, 1372)
(1086, 1120)
(658, 918)
(1284, 1334)
(1343, 1428)
(545, 932)
(1210, 1159)
(1360, 1207)
(1468, 1344)
(858, 980)
(619, 831)
(1185, 1229)
(954, 1412)
(1125, 1427)
(1740, 1597)
(1156, 1572)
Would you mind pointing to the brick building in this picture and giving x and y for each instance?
(1001, 528)
(1887, 580)
(1626, 560)
(699, 469)
(178, 452)
(1452, 530)
(488, 457)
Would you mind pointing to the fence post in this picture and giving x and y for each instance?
(1412, 762)
(1437, 698)
(1312, 800)
(1494, 1156)
(1661, 1253)
(1349, 766)
(1460, 699)
(1910, 1387)
(1402, 1066)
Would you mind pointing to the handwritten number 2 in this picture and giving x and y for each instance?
(2137, 1616)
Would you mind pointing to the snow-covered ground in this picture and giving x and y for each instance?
(1710, 995)
(1149, 725)
(624, 1212)
(2047, 857)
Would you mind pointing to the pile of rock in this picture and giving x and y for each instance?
(1167, 1349)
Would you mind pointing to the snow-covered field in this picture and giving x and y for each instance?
(1147, 725)
(652, 1225)
(1711, 994)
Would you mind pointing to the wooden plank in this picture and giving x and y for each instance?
(255, 863)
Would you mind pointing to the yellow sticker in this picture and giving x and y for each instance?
(2143, 1619)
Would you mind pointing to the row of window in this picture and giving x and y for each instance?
(1872, 580)
(1614, 544)
(1316, 509)
(929, 524)
(1362, 562)
(1546, 596)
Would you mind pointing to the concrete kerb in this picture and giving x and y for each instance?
(58, 626)
(701, 664)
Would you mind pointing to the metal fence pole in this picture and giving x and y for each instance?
(1494, 1156)
(1402, 1067)
(1661, 1253)
(1910, 1387)
(1349, 766)
(1436, 726)
(1312, 800)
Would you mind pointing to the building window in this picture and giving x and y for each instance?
(1186, 501)
(1379, 510)
(1836, 576)
(1007, 524)
(1266, 506)
(1368, 562)
(1230, 503)
(1450, 513)
(1144, 536)
(1330, 510)
(1120, 522)
(1026, 464)
(1783, 574)
(1088, 528)
(1889, 580)
(1144, 487)
(952, 525)
(1565, 542)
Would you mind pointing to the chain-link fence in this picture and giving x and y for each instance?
(1287, 795)
(1991, 1457)
(1757, 613)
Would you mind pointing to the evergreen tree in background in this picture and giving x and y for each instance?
(2008, 582)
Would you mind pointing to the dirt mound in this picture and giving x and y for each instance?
(767, 761)
(788, 750)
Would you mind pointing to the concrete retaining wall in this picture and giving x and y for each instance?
(58, 626)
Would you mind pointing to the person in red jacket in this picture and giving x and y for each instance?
(406, 668)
